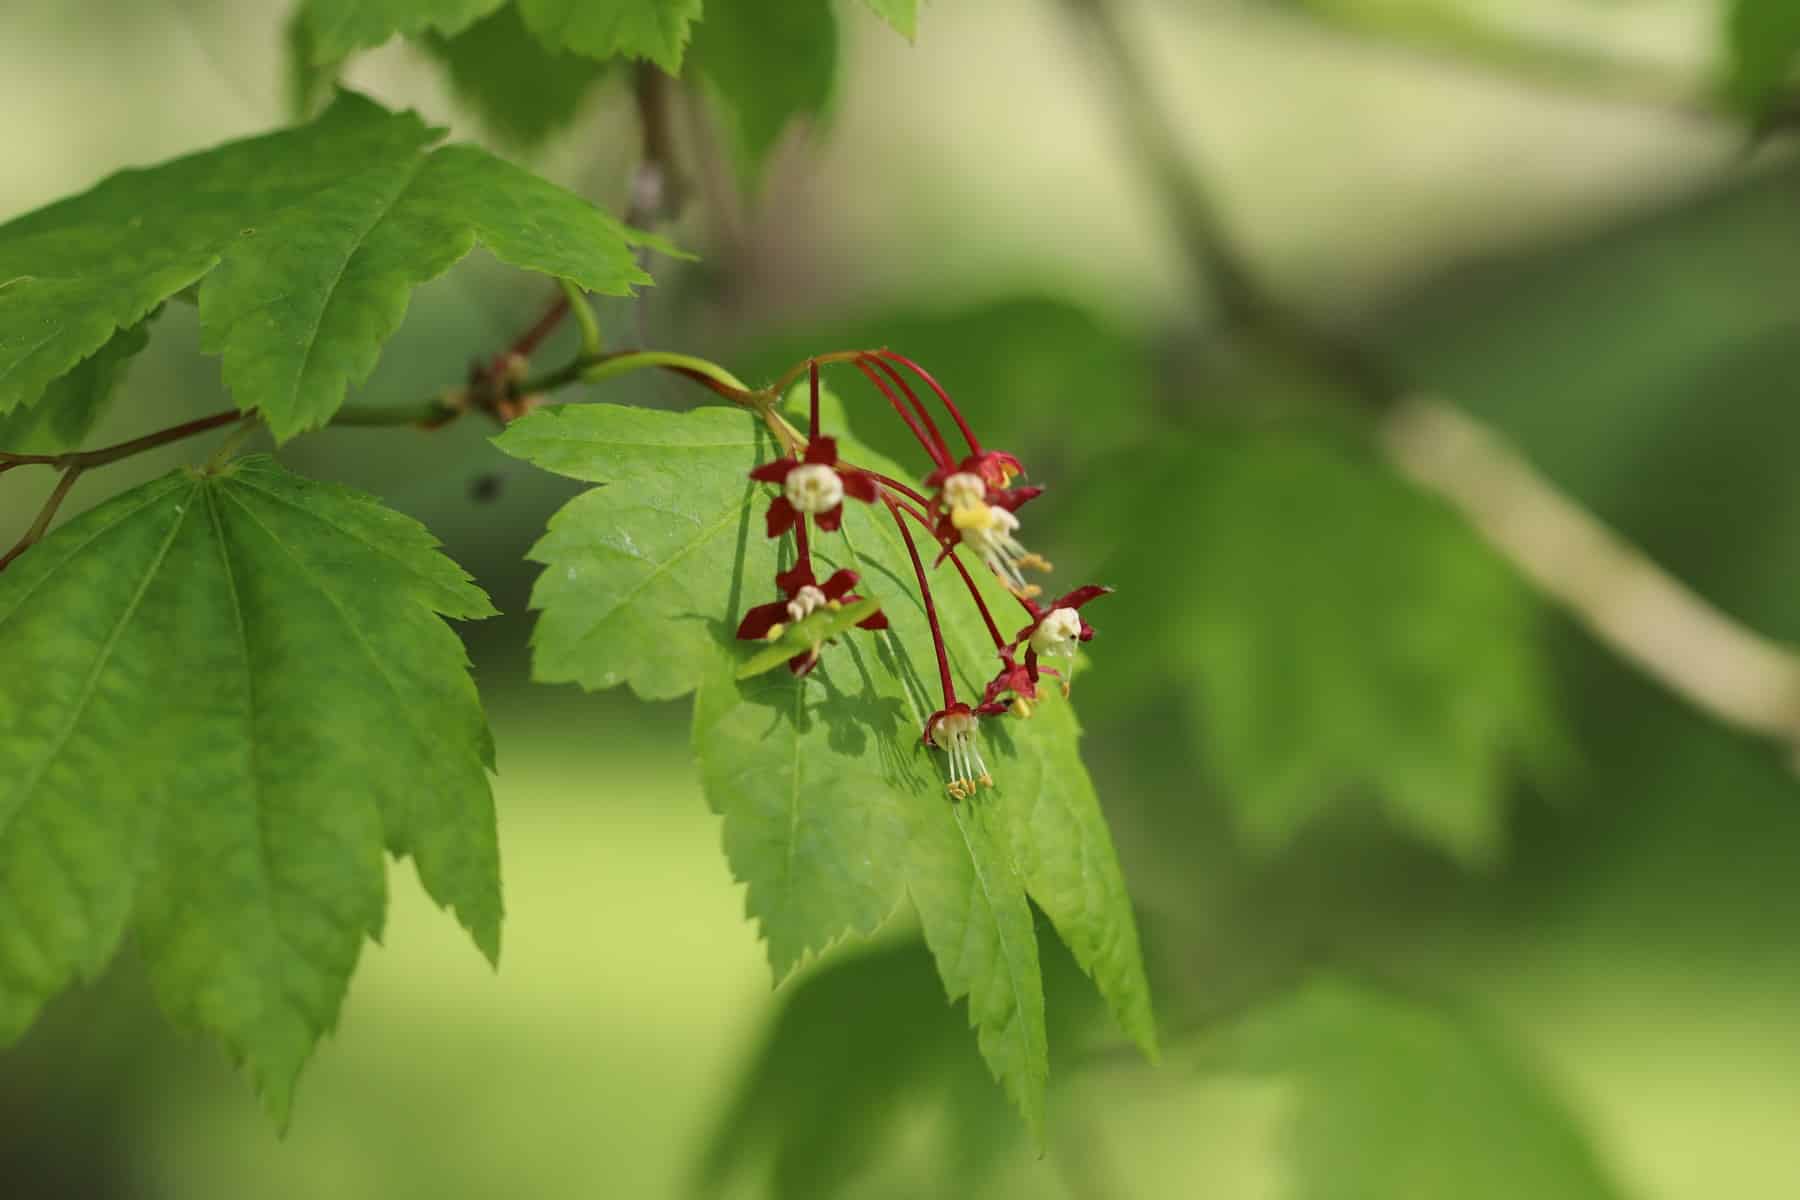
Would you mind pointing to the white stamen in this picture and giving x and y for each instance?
(813, 488)
(1057, 633)
(964, 490)
(988, 530)
(955, 735)
(806, 601)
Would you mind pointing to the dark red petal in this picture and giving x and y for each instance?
(1087, 633)
(800, 664)
(758, 621)
(773, 472)
(991, 708)
(841, 581)
(782, 516)
(993, 467)
(937, 477)
(822, 450)
(1080, 596)
(859, 486)
(831, 518)
(796, 577)
(876, 620)
(1011, 498)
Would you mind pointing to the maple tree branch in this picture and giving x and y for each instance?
(111, 454)
(1624, 599)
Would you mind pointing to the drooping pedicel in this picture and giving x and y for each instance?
(973, 504)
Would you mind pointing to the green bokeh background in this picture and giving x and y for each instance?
(1615, 285)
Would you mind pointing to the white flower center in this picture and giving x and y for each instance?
(964, 490)
(813, 488)
(807, 601)
(955, 735)
(1057, 633)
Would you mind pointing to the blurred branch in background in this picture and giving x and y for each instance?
(1452, 32)
(1623, 598)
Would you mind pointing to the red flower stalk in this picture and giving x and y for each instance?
(814, 484)
(942, 395)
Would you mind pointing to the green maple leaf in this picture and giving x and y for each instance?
(834, 813)
(306, 245)
(338, 28)
(903, 15)
(226, 693)
(74, 403)
(1375, 1071)
(656, 30)
(522, 90)
(1763, 38)
(769, 61)
(1341, 636)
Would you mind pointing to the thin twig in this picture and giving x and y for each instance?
(45, 515)
(1625, 600)
(657, 194)
(110, 454)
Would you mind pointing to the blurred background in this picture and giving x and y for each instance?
(1441, 898)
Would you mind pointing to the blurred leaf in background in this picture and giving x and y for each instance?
(1402, 1100)
(522, 90)
(1333, 634)
(1763, 37)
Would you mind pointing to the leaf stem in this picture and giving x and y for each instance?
(595, 368)
(591, 341)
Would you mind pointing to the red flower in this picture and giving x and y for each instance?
(1056, 627)
(952, 730)
(805, 596)
(815, 484)
(995, 468)
(1014, 677)
(1049, 633)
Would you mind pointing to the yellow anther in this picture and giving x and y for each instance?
(973, 516)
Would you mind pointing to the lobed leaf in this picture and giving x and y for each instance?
(833, 809)
(1455, 1110)
(522, 90)
(338, 28)
(226, 693)
(769, 61)
(656, 30)
(306, 245)
(1337, 634)
(75, 403)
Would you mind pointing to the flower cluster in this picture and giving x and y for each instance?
(970, 502)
